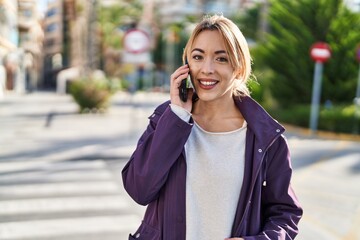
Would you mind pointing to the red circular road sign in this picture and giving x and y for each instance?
(136, 41)
(320, 52)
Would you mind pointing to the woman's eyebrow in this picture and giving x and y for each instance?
(220, 52)
(198, 49)
(202, 51)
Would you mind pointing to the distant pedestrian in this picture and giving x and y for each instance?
(216, 166)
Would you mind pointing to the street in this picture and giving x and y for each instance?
(326, 180)
(60, 171)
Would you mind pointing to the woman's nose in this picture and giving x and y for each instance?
(207, 67)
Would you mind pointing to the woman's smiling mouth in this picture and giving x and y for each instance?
(207, 84)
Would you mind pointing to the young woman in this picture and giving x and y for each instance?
(216, 166)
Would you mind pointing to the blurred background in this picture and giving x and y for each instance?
(78, 79)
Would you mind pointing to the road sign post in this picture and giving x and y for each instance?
(320, 53)
(357, 96)
(358, 84)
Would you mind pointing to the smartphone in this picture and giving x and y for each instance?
(185, 84)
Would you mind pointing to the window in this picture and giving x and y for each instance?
(51, 12)
(51, 27)
(49, 43)
(27, 13)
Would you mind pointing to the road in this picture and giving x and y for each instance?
(60, 172)
(327, 180)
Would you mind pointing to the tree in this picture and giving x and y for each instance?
(114, 20)
(248, 22)
(294, 27)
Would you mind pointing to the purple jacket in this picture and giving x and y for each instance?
(156, 173)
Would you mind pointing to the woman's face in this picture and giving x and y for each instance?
(211, 71)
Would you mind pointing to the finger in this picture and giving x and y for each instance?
(176, 80)
(178, 76)
(181, 72)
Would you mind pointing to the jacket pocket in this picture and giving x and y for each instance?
(145, 232)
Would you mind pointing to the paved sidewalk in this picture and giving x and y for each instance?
(60, 170)
(47, 127)
(56, 164)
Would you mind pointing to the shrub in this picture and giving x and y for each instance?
(91, 94)
(340, 119)
(298, 115)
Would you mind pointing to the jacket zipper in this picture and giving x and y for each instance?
(248, 202)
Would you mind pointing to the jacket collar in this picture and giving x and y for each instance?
(265, 128)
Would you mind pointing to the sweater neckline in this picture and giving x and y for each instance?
(221, 133)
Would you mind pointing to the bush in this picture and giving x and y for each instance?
(297, 115)
(91, 94)
(339, 119)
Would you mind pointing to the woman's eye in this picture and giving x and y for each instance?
(222, 59)
(197, 57)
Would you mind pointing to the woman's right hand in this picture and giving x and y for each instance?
(175, 82)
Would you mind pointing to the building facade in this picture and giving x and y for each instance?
(71, 41)
(20, 46)
(31, 38)
(53, 58)
(173, 11)
(8, 45)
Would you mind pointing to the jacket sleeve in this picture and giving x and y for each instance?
(281, 209)
(157, 150)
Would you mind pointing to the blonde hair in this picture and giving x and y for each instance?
(236, 47)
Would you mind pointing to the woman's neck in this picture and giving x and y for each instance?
(218, 116)
(214, 109)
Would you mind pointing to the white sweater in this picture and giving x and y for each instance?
(215, 170)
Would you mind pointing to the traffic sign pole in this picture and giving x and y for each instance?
(358, 83)
(358, 86)
(320, 53)
(315, 102)
(357, 96)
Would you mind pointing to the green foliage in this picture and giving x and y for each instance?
(115, 19)
(257, 92)
(340, 118)
(259, 88)
(92, 94)
(170, 45)
(295, 26)
(248, 21)
(158, 53)
(298, 115)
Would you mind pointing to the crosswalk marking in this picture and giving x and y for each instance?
(64, 200)
(62, 227)
(53, 205)
(56, 176)
(46, 165)
(99, 187)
